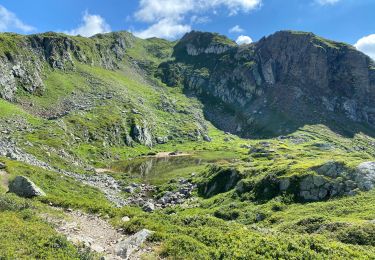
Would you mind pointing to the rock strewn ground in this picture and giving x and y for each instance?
(99, 236)
(108, 185)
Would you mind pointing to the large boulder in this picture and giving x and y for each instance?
(24, 187)
(126, 247)
(142, 135)
(365, 175)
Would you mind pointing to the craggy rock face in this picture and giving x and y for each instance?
(22, 66)
(332, 179)
(277, 84)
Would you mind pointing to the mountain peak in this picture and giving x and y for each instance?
(289, 78)
(196, 43)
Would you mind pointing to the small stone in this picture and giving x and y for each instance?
(207, 138)
(2, 166)
(97, 248)
(129, 189)
(259, 217)
(125, 219)
(148, 207)
(126, 247)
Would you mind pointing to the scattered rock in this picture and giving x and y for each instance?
(135, 111)
(142, 135)
(125, 219)
(107, 184)
(2, 166)
(129, 189)
(162, 140)
(148, 207)
(207, 138)
(260, 217)
(98, 235)
(365, 176)
(126, 247)
(175, 153)
(24, 187)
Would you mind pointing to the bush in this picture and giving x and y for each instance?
(184, 247)
(358, 235)
(11, 202)
(227, 214)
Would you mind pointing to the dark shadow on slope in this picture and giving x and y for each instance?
(271, 123)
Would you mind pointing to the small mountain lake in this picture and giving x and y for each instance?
(157, 170)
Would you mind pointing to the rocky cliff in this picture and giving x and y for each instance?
(23, 58)
(277, 84)
(268, 88)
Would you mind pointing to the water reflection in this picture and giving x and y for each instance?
(149, 167)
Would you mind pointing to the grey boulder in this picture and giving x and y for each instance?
(24, 187)
(126, 247)
(365, 175)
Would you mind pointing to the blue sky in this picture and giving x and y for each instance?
(351, 21)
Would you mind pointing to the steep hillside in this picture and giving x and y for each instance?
(134, 134)
(277, 84)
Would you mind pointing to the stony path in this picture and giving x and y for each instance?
(98, 235)
(108, 185)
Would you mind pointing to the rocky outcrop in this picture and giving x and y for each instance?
(200, 43)
(218, 180)
(365, 176)
(22, 65)
(24, 187)
(332, 179)
(277, 84)
(142, 134)
(126, 247)
(19, 71)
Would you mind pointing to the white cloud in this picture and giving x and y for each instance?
(174, 15)
(165, 28)
(367, 45)
(236, 29)
(327, 2)
(9, 21)
(243, 39)
(91, 25)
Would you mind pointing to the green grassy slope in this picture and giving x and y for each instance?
(81, 120)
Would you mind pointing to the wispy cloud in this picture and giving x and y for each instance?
(9, 21)
(170, 18)
(236, 29)
(367, 45)
(91, 24)
(327, 2)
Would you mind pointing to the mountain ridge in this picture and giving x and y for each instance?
(312, 67)
(148, 135)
